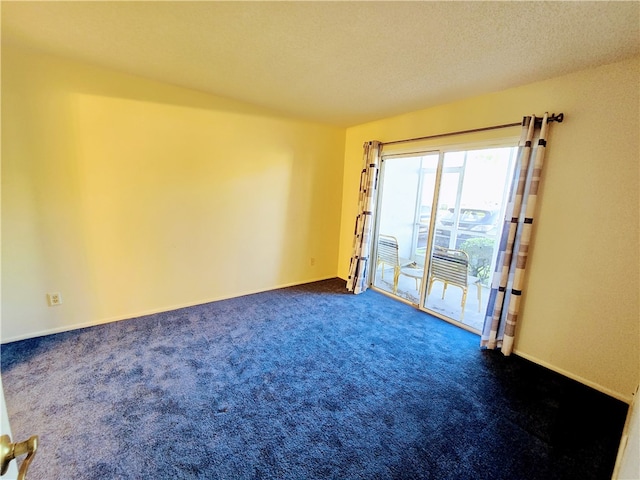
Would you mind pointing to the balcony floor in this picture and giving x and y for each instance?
(449, 306)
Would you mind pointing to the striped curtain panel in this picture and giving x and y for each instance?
(506, 288)
(357, 281)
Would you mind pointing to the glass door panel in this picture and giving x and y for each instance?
(404, 218)
(470, 209)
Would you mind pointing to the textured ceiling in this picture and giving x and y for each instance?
(342, 63)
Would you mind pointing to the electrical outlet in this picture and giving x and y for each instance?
(54, 299)
(312, 261)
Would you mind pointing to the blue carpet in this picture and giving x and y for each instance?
(306, 382)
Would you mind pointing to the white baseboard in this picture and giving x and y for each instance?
(93, 323)
(625, 398)
(596, 386)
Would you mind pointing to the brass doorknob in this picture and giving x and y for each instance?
(9, 451)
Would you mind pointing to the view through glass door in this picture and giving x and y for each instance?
(439, 220)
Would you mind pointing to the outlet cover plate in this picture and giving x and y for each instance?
(54, 299)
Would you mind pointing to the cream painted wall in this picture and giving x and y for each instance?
(129, 196)
(580, 309)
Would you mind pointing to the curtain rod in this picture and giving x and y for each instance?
(552, 118)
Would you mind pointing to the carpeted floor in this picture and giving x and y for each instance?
(306, 382)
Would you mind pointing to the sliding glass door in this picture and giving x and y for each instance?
(439, 216)
(404, 220)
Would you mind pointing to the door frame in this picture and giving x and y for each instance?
(510, 141)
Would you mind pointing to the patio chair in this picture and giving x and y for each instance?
(451, 267)
(388, 255)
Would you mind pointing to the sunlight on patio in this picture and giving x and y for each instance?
(408, 289)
